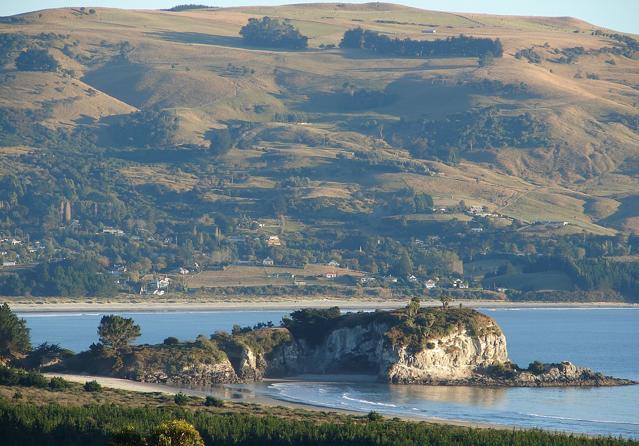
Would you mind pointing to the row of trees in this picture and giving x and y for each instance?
(462, 46)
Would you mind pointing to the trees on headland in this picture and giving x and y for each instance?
(273, 33)
(117, 332)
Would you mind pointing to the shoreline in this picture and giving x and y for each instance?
(148, 306)
(248, 396)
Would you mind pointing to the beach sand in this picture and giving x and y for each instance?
(152, 305)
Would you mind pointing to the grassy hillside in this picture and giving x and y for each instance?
(180, 61)
(295, 116)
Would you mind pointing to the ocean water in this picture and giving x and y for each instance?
(606, 340)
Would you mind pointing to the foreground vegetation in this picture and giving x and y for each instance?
(27, 424)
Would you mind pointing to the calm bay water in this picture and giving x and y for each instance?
(604, 339)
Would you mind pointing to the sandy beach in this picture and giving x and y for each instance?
(152, 305)
(225, 392)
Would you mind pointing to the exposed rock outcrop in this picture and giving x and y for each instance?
(409, 346)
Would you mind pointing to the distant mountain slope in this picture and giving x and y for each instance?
(577, 84)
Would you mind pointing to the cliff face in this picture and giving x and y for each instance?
(358, 349)
(366, 349)
(456, 356)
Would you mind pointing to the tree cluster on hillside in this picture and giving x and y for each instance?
(458, 133)
(187, 7)
(462, 46)
(351, 97)
(9, 44)
(273, 33)
(36, 60)
(23, 127)
(63, 278)
(148, 128)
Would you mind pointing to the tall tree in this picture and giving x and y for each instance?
(14, 334)
(117, 332)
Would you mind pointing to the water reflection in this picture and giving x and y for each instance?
(473, 396)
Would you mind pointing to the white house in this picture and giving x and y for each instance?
(458, 283)
(430, 284)
(162, 283)
(330, 275)
(113, 231)
(412, 279)
(268, 262)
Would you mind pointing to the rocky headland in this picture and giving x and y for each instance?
(434, 346)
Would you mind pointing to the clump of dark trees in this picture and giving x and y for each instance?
(148, 128)
(448, 138)
(63, 278)
(36, 60)
(187, 7)
(462, 46)
(273, 33)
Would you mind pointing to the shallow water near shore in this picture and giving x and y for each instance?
(606, 340)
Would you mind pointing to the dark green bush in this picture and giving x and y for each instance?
(171, 340)
(180, 399)
(92, 386)
(58, 383)
(36, 60)
(374, 416)
(536, 367)
(211, 401)
(33, 379)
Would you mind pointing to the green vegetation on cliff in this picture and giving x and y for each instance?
(412, 326)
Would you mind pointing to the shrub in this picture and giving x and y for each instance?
(36, 60)
(8, 376)
(171, 340)
(430, 345)
(92, 386)
(536, 367)
(177, 433)
(211, 401)
(33, 379)
(58, 383)
(180, 399)
(374, 416)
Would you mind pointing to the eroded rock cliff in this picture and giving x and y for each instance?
(408, 346)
